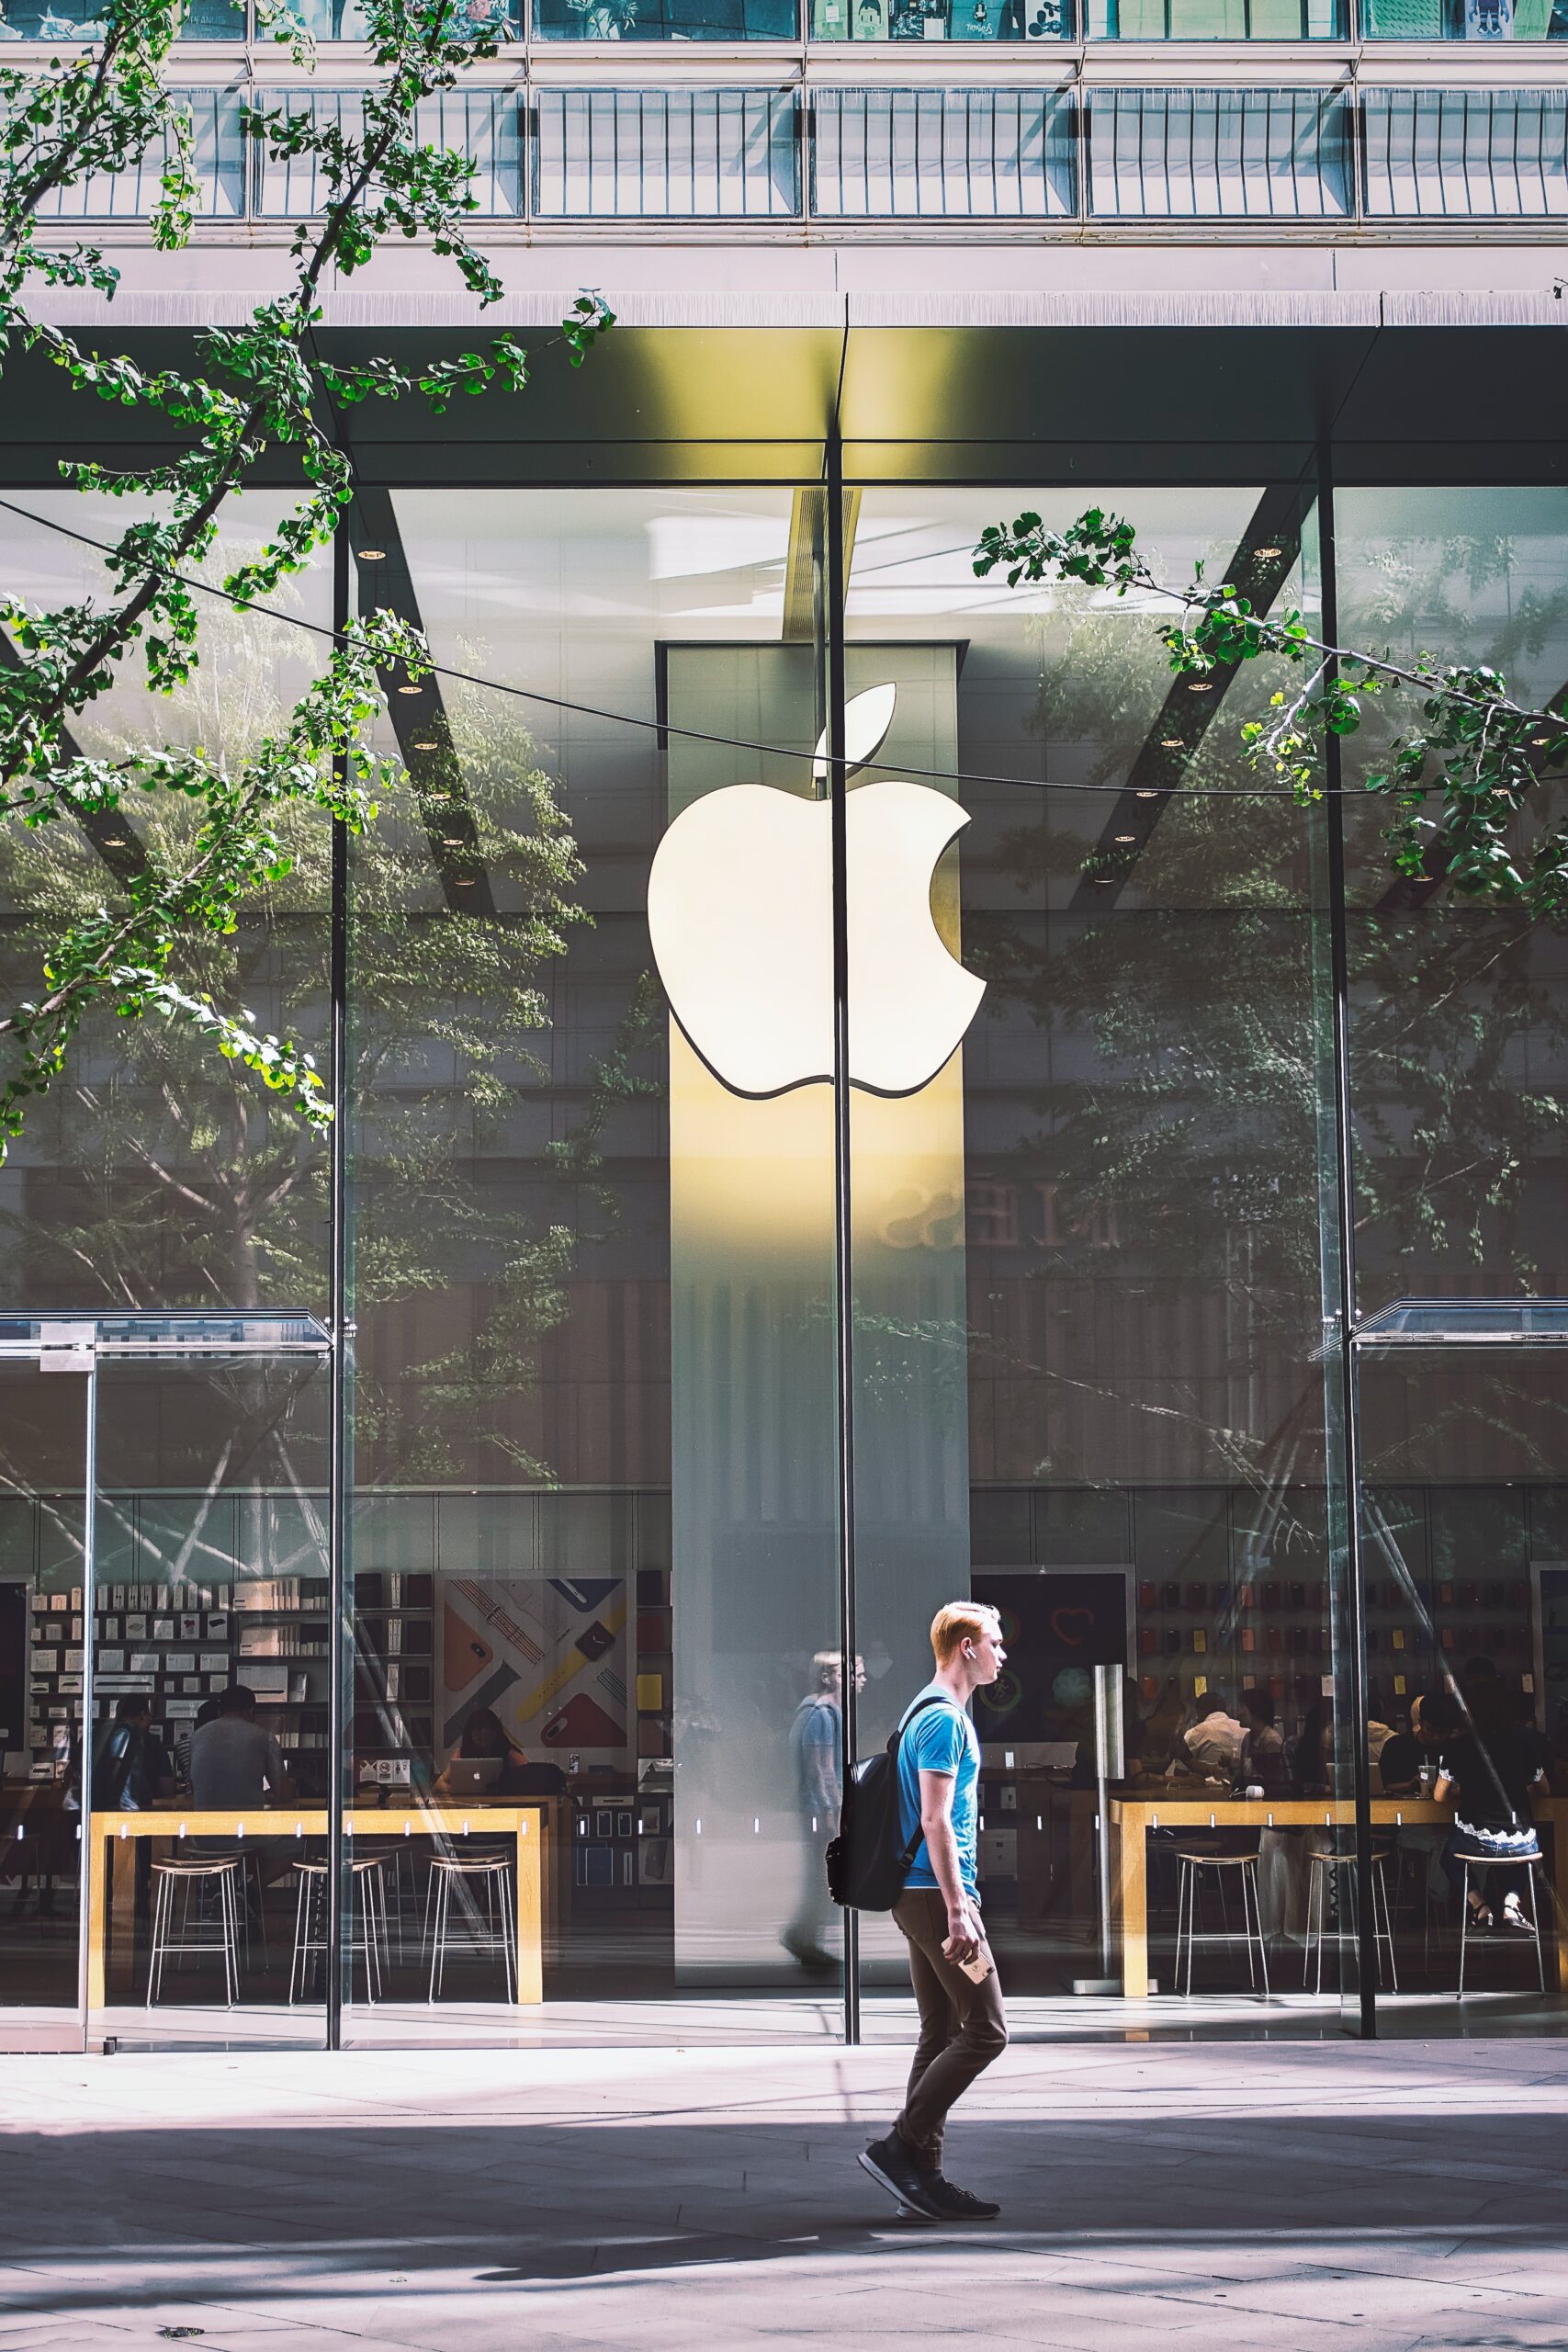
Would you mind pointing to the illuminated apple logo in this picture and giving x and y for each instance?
(739, 907)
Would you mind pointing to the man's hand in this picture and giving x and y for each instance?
(964, 1932)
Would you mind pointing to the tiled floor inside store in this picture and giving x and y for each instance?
(1394, 2196)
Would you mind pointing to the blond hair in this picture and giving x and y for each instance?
(960, 1621)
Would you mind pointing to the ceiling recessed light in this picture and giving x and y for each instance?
(463, 881)
(1103, 881)
(1267, 552)
(1194, 686)
(372, 555)
(424, 743)
(1126, 837)
(1147, 794)
(115, 841)
(410, 689)
(1171, 743)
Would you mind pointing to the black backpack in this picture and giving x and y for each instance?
(868, 1861)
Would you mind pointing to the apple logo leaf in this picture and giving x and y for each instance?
(739, 913)
(867, 719)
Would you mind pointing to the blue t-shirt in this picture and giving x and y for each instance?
(943, 1740)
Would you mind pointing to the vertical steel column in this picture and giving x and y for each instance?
(89, 1655)
(1344, 1140)
(843, 1270)
(341, 1635)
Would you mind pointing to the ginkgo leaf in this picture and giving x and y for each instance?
(867, 719)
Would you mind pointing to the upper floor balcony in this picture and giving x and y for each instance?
(870, 24)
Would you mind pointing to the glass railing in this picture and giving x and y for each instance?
(1109, 155)
(877, 21)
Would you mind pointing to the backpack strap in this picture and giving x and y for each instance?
(894, 1746)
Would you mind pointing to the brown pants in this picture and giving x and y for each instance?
(963, 2025)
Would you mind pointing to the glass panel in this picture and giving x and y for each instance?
(217, 159)
(941, 20)
(594, 1538)
(1088, 1273)
(1219, 153)
(1466, 1571)
(703, 154)
(1463, 21)
(1459, 1018)
(1216, 19)
(211, 1702)
(486, 125)
(665, 20)
(878, 154)
(67, 21)
(155, 1174)
(1497, 154)
(43, 1439)
(344, 19)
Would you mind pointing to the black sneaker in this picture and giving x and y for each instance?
(893, 2167)
(959, 2204)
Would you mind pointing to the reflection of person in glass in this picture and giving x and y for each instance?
(817, 1751)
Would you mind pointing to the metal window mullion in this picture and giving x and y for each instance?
(340, 1745)
(88, 1865)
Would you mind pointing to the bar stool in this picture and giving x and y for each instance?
(400, 1913)
(492, 1929)
(1323, 1862)
(217, 1872)
(1530, 1863)
(368, 1928)
(1187, 1900)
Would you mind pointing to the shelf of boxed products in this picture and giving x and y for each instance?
(394, 1665)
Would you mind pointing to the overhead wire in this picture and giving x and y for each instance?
(665, 727)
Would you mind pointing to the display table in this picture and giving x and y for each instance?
(117, 1835)
(1132, 1818)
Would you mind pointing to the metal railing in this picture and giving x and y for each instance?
(666, 154)
(1106, 156)
(970, 155)
(1219, 156)
(1464, 153)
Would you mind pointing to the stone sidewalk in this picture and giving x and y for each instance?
(1240, 2196)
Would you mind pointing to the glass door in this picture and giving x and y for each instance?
(210, 1678)
(45, 1389)
(1464, 1548)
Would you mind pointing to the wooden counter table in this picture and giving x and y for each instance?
(1178, 1806)
(115, 1837)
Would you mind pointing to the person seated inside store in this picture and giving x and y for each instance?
(1434, 1717)
(1263, 1763)
(1488, 1770)
(1209, 1748)
(235, 1763)
(130, 1768)
(1313, 1757)
(484, 1733)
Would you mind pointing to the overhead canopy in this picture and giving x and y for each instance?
(1171, 400)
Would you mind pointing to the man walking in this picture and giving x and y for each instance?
(962, 2024)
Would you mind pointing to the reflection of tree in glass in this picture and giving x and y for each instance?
(173, 1186)
(1178, 1085)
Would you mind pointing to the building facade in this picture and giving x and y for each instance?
(617, 1371)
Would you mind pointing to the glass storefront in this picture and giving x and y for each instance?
(554, 1551)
